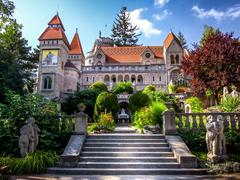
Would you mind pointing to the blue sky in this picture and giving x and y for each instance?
(155, 18)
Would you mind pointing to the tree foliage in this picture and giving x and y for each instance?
(123, 87)
(214, 65)
(17, 62)
(182, 40)
(106, 102)
(208, 32)
(138, 100)
(100, 86)
(123, 32)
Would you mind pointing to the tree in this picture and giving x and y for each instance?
(138, 100)
(123, 32)
(214, 65)
(208, 32)
(21, 62)
(123, 87)
(99, 86)
(182, 40)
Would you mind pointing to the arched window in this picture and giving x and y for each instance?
(177, 59)
(133, 78)
(120, 78)
(140, 79)
(114, 78)
(47, 83)
(160, 78)
(126, 78)
(172, 59)
(106, 78)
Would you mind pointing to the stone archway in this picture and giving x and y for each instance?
(133, 78)
(140, 79)
(120, 78)
(126, 78)
(106, 78)
(113, 79)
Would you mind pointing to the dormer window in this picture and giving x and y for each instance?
(99, 56)
(147, 55)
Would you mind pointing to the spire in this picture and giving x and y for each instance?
(171, 36)
(76, 47)
(56, 21)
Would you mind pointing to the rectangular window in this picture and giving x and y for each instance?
(153, 78)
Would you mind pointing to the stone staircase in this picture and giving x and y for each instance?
(126, 154)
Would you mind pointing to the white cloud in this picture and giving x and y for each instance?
(233, 13)
(163, 15)
(160, 3)
(145, 26)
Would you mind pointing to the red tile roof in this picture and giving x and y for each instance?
(129, 54)
(171, 36)
(76, 47)
(54, 34)
(56, 21)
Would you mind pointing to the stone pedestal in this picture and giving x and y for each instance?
(81, 123)
(169, 122)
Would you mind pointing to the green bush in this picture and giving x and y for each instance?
(195, 103)
(18, 110)
(150, 91)
(87, 97)
(229, 104)
(123, 87)
(105, 123)
(106, 102)
(157, 109)
(100, 86)
(33, 163)
(143, 117)
(138, 100)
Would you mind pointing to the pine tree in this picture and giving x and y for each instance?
(208, 32)
(123, 32)
(182, 40)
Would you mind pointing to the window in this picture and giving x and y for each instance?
(99, 56)
(147, 55)
(172, 59)
(47, 83)
(87, 79)
(177, 59)
(160, 78)
(93, 79)
(153, 78)
(62, 64)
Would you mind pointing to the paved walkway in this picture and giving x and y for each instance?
(163, 177)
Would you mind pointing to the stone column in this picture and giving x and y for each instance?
(81, 121)
(169, 122)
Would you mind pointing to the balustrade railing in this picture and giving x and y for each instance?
(197, 121)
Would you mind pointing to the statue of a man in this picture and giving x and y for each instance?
(215, 139)
(28, 140)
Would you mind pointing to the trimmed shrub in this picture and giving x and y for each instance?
(138, 100)
(195, 103)
(143, 117)
(157, 109)
(150, 91)
(33, 163)
(100, 86)
(106, 102)
(123, 87)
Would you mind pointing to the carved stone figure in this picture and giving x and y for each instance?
(215, 139)
(234, 92)
(29, 139)
(81, 120)
(225, 92)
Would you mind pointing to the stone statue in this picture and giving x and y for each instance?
(81, 120)
(234, 92)
(123, 111)
(215, 139)
(225, 92)
(29, 138)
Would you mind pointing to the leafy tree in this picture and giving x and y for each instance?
(138, 100)
(16, 55)
(106, 102)
(182, 40)
(123, 32)
(150, 91)
(99, 86)
(208, 32)
(87, 97)
(214, 65)
(123, 87)
(195, 103)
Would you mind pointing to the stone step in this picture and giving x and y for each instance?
(126, 154)
(126, 140)
(128, 149)
(128, 165)
(109, 144)
(126, 171)
(126, 159)
(125, 136)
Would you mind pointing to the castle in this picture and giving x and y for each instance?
(64, 69)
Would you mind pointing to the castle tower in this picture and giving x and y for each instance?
(54, 48)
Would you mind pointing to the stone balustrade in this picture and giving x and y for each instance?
(124, 68)
(198, 120)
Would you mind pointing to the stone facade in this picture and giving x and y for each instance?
(142, 65)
